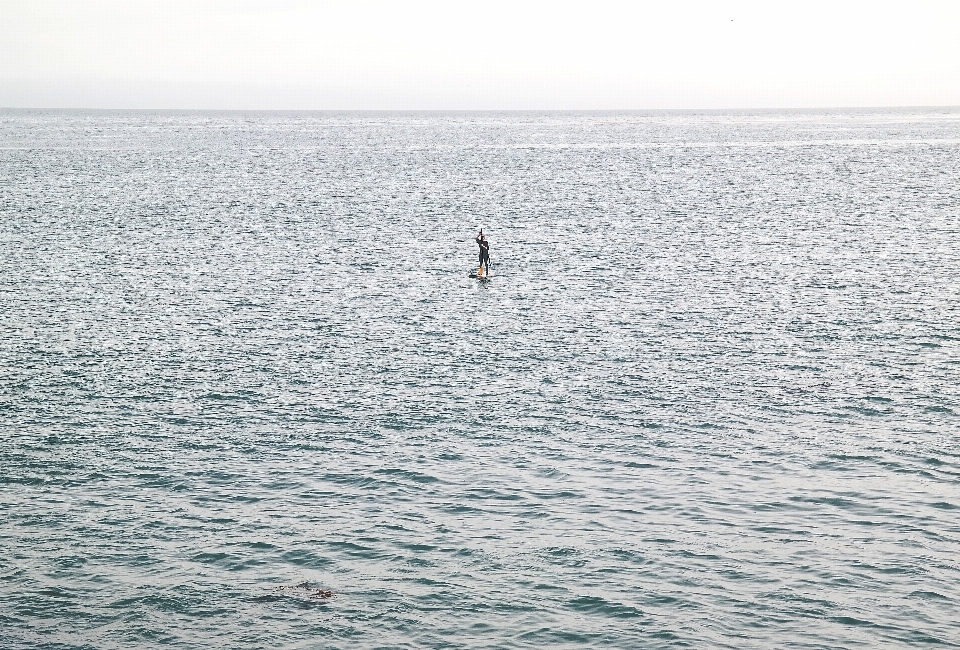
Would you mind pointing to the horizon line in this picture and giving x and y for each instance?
(485, 110)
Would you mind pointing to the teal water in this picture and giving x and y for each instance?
(708, 397)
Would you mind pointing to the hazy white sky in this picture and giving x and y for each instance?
(478, 54)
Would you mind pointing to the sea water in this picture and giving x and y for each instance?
(708, 396)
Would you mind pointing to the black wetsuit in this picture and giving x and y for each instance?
(484, 252)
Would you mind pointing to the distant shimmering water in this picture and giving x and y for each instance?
(708, 398)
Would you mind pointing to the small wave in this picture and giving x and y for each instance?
(602, 607)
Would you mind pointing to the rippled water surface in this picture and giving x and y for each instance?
(250, 397)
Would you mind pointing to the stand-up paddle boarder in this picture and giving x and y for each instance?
(484, 254)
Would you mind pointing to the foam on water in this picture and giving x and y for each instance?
(708, 397)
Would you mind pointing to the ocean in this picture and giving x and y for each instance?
(707, 397)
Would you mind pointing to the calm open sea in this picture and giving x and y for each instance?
(710, 396)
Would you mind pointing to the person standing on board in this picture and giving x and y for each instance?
(484, 253)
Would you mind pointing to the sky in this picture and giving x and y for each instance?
(478, 55)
